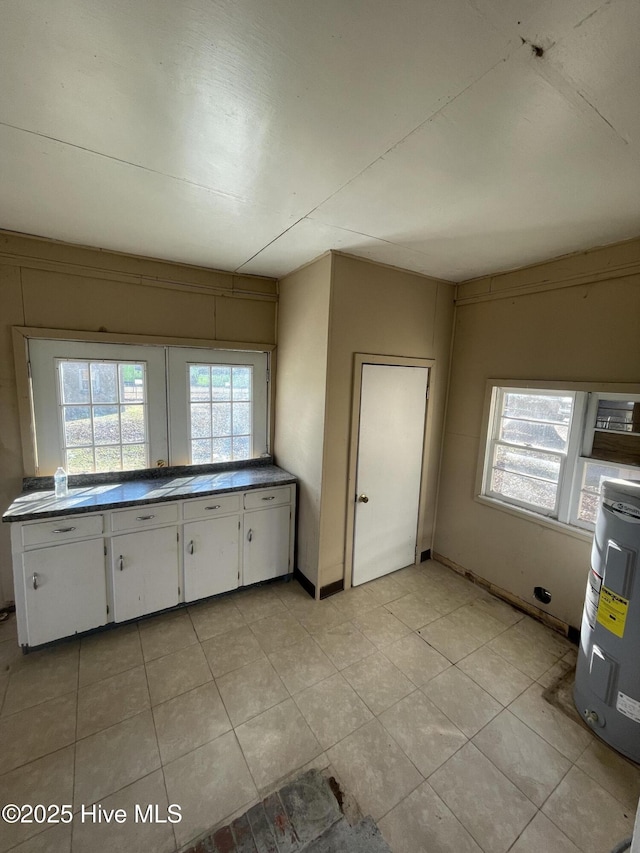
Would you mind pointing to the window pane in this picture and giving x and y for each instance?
(77, 426)
(104, 387)
(201, 451)
(108, 458)
(242, 383)
(537, 493)
(618, 415)
(221, 450)
(79, 461)
(534, 433)
(593, 475)
(221, 418)
(134, 456)
(74, 379)
(533, 463)
(132, 422)
(242, 418)
(131, 383)
(106, 425)
(242, 447)
(200, 420)
(199, 382)
(221, 383)
(542, 407)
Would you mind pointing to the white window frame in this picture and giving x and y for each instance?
(580, 440)
(167, 415)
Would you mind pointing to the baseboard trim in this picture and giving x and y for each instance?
(570, 632)
(331, 589)
(305, 583)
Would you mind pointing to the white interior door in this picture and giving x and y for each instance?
(389, 468)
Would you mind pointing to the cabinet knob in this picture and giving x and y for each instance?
(215, 506)
(270, 498)
(63, 530)
(34, 580)
(144, 517)
(190, 547)
(121, 562)
(250, 535)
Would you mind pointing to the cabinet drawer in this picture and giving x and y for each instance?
(148, 515)
(61, 529)
(263, 498)
(211, 506)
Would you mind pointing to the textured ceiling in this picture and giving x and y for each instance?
(454, 139)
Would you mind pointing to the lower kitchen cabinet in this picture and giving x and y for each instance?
(144, 568)
(267, 535)
(211, 556)
(64, 590)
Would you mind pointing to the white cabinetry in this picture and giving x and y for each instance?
(159, 555)
(64, 590)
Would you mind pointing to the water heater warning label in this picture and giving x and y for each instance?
(628, 706)
(612, 611)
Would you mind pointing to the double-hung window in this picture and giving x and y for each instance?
(549, 449)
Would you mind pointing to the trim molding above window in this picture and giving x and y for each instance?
(547, 446)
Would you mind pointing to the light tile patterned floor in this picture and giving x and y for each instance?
(420, 691)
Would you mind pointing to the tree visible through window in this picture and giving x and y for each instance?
(220, 412)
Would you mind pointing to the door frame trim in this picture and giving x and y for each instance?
(359, 359)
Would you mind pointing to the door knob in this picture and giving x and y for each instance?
(363, 499)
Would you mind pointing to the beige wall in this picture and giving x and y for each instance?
(384, 311)
(303, 327)
(538, 324)
(54, 285)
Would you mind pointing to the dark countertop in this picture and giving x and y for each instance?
(40, 504)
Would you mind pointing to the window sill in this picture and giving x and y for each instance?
(552, 523)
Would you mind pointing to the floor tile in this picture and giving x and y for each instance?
(374, 769)
(332, 709)
(278, 631)
(11, 656)
(109, 652)
(381, 627)
(385, 589)
(37, 731)
(476, 622)
(232, 650)
(276, 743)
(378, 682)
(302, 665)
(42, 676)
(449, 639)
(414, 611)
(554, 673)
(567, 736)
(258, 603)
(189, 721)
(541, 836)
(521, 652)
(250, 690)
(134, 835)
(323, 616)
(426, 735)
(422, 823)
(211, 783)
(477, 792)
(115, 757)
(618, 776)
(462, 700)
(416, 659)
(500, 610)
(492, 672)
(176, 673)
(524, 757)
(344, 644)
(292, 594)
(588, 814)
(111, 700)
(544, 637)
(54, 840)
(354, 602)
(212, 618)
(162, 635)
(47, 780)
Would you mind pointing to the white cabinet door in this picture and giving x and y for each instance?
(211, 556)
(65, 590)
(145, 572)
(266, 544)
